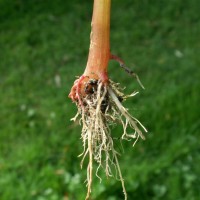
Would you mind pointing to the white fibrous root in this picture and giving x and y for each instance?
(99, 110)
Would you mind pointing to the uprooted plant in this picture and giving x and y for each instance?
(99, 101)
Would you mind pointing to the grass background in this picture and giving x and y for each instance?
(44, 45)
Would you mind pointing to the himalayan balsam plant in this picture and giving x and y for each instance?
(99, 102)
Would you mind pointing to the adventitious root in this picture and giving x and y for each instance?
(100, 108)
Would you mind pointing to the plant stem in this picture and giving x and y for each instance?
(99, 52)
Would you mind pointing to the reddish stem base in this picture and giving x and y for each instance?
(79, 89)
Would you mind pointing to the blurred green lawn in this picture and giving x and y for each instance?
(44, 45)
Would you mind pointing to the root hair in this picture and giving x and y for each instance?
(98, 111)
